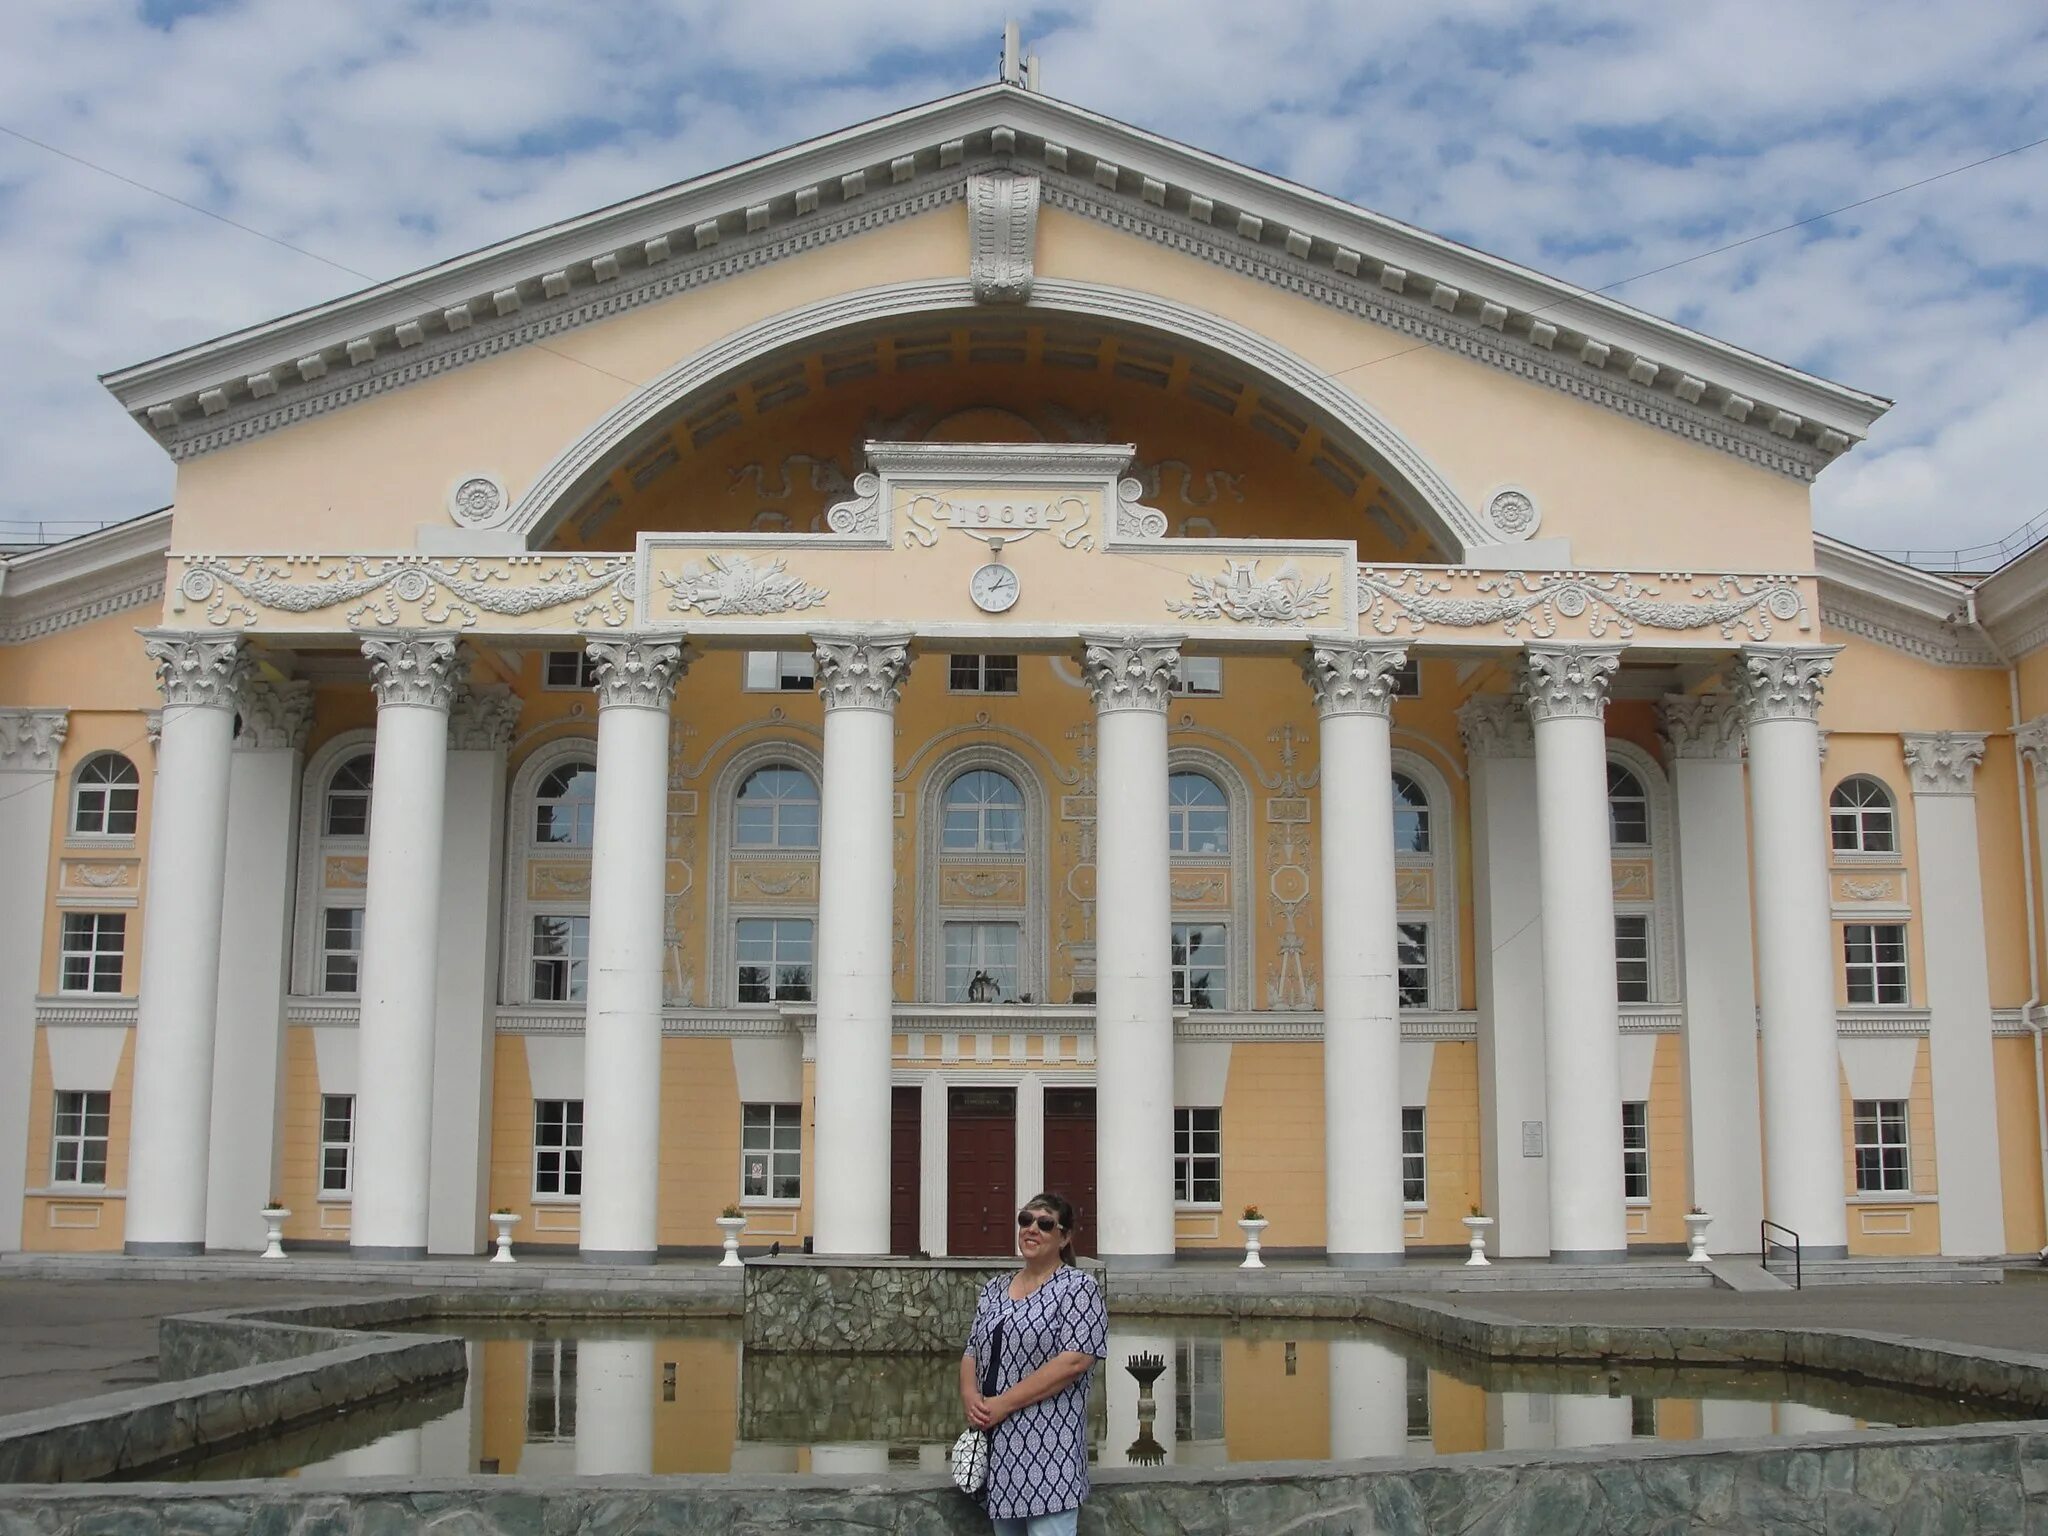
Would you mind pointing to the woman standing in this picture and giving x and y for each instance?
(1044, 1328)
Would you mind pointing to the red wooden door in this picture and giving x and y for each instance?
(1070, 1158)
(981, 1171)
(906, 1117)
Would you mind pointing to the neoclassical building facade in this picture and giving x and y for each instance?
(992, 651)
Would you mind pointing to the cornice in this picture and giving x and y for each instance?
(46, 591)
(1894, 605)
(2012, 603)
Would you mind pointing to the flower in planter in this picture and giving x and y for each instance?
(731, 1211)
(1251, 1213)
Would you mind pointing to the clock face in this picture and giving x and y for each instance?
(994, 588)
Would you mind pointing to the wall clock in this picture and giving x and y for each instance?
(993, 587)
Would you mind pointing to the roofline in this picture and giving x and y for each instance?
(1880, 576)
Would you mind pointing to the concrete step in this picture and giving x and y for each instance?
(1746, 1275)
(1901, 1271)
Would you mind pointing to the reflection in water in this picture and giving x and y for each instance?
(575, 1397)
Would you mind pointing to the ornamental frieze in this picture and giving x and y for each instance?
(356, 592)
(1526, 605)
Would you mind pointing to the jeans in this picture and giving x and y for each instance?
(1062, 1524)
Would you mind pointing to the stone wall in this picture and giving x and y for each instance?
(867, 1306)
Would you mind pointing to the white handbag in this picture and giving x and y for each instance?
(970, 1462)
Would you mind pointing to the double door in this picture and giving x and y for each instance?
(982, 1195)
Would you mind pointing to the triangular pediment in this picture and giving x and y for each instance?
(697, 232)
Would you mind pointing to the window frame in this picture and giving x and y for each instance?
(1183, 969)
(575, 967)
(1874, 972)
(1408, 930)
(774, 1151)
(980, 928)
(774, 805)
(786, 681)
(1196, 1126)
(979, 664)
(1880, 1122)
(1179, 830)
(105, 791)
(1640, 798)
(95, 952)
(1186, 685)
(581, 810)
(329, 953)
(1418, 812)
(78, 1137)
(568, 1151)
(980, 809)
(586, 672)
(776, 921)
(1624, 981)
(1415, 1156)
(366, 791)
(1862, 814)
(1635, 1151)
(346, 1146)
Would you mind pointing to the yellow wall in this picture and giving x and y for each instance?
(86, 1222)
(1881, 1226)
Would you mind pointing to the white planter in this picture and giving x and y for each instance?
(1477, 1226)
(1696, 1238)
(1251, 1230)
(274, 1218)
(504, 1221)
(732, 1227)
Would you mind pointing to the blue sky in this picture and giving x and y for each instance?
(1593, 141)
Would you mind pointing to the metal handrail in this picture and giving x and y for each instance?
(1763, 1233)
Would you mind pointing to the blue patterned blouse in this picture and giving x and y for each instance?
(1038, 1456)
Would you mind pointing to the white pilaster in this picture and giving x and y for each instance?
(860, 675)
(1565, 689)
(1500, 748)
(248, 1057)
(30, 740)
(1132, 677)
(1943, 769)
(932, 1159)
(1779, 689)
(415, 675)
(1353, 684)
(480, 726)
(636, 683)
(614, 1393)
(201, 677)
(1030, 1135)
(1724, 1116)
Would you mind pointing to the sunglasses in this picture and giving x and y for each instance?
(1043, 1223)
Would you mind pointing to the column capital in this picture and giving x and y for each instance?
(197, 670)
(1782, 682)
(1353, 677)
(1568, 682)
(1702, 726)
(415, 667)
(1496, 725)
(29, 738)
(1130, 671)
(483, 719)
(275, 716)
(637, 671)
(2032, 740)
(860, 670)
(1943, 762)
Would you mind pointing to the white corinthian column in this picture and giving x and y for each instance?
(30, 741)
(1780, 693)
(636, 681)
(201, 677)
(1565, 689)
(1353, 685)
(415, 675)
(860, 675)
(1132, 678)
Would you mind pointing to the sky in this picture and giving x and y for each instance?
(1594, 141)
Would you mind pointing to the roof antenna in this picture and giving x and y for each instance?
(1016, 68)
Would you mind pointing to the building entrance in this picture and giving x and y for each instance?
(1070, 1158)
(981, 1171)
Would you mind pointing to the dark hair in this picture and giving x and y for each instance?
(1060, 1207)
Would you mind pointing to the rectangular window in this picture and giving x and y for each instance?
(781, 671)
(1635, 1150)
(569, 669)
(1412, 964)
(337, 1142)
(1200, 677)
(1201, 974)
(558, 1147)
(79, 1146)
(561, 949)
(775, 959)
(1632, 957)
(982, 674)
(550, 1391)
(1414, 1156)
(341, 950)
(92, 946)
(1875, 957)
(1408, 679)
(1882, 1164)
(984, 953)
(1198, 1156)
(771, 1151)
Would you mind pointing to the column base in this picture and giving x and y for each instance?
(163, 1250)
(357, 1251)
(1365, 1260)
(616, 1255)
(1114, 1261)
(1589, 1255)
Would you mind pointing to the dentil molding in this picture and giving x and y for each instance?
(1943, 762)
(1354, 679)
(483, 719)
(29, 738)
(275, 716)
(1568, 682)
(861, 671)
(1002, 215)
(1496, 725)
(637, 671)
(416, 668)
(1775, 684)
(1130, 671)
(1705, 726)
(200, 671)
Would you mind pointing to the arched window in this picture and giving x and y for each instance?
(104, 803)
(984, 814)
(564, 805)
(1411, 816)
(1862, 818)
(348, 798)
(1628, 809)
(778, 808)
(1197, 814)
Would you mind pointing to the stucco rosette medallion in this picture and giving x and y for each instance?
(275, 716)
(1525, 604)
(197, 671)
(483, 719)
(1782, 684)
(1285, 598)
(637, 671)
(30, 738)
(1707, 725)
(1943, 762)
(1349, 679)
(478, 501)
(414, 669)
(732, 586)
(862, 671)
(1513, 513)
(1568, 682)
(1130, 671)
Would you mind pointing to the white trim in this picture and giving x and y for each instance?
(315, 848)
(44, 591)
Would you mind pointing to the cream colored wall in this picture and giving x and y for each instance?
(1878, 1226)
(85, 1222)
